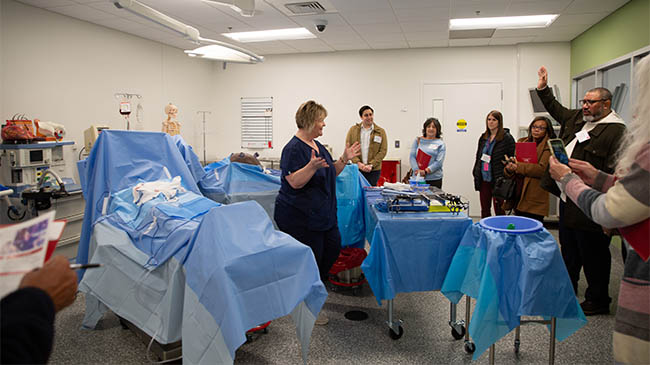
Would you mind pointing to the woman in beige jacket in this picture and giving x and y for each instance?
(533, 200)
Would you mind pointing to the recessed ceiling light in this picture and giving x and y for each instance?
(506, 22)
(270, 35)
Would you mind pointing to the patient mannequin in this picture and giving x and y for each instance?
(171, 125)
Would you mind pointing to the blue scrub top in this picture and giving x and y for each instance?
(314, 205)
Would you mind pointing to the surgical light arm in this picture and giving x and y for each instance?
(168, 22)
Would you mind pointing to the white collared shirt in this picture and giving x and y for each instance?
(365, 142)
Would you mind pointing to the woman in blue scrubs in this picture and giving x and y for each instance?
(306, 204)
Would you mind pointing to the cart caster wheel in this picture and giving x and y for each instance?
(396, 336)
(470, 347)
(249, 338)
(265, 330)
(516, 347)
(123, 324)
(355, 292)
(458, 335)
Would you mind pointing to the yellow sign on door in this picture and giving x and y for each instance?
(461, 124)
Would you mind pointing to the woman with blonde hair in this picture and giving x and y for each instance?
(305, 207)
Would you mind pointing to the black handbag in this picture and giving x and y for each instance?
(504, 189)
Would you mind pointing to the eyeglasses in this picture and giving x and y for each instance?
(539, 128)
(589, 102)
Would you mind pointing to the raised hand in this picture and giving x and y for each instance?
(352, 151)
(316, 162)
(543, 78)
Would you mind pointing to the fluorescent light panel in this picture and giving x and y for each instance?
(506, 22)
(271, 35)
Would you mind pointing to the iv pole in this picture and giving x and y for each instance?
(204, 112)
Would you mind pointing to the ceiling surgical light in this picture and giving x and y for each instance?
(229, 51)
(220, 53)
(271, 35)
(506, 22)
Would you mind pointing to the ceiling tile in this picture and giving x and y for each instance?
(124, 25)
(82, 12)
(344, 6)
(378, 28)
(388, 45)
(309, 45)
(468, 42)
(579, 19)
(430, 43)
(424, 36)
(425, 27)
(383, 37)
(352, 24)
(370, 17)
(510, 40)
(422, 14)
(417, 4)
(594, 6)
(536, 7)
(506, 33)
(48, 3)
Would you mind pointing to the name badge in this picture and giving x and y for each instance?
(582, 136)
(377, 139)
(486, 158)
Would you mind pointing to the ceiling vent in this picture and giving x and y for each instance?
(471, 34)
(302, 8)
(306, 8)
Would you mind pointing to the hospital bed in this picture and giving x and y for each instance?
(179, 267)
(230, 182)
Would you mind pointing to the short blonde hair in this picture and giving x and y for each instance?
(308, 113)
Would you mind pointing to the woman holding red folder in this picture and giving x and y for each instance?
(428, 153)
(533, 200)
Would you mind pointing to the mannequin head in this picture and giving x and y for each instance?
(171, 110)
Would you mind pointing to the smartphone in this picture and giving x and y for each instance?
(557, 149)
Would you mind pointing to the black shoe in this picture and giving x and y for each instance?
(590, 308)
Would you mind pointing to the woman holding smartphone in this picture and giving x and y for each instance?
(493, 146)
(533, 200)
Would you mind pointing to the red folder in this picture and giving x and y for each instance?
(638, 236)
(422, 159)
(526, 152)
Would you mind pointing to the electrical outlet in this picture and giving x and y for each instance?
(397, 144)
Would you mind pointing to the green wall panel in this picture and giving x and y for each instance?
(624, 31)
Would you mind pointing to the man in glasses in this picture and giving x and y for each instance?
(593, 134)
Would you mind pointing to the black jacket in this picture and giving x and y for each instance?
(505, 146)
(600, 151)
(27, 327)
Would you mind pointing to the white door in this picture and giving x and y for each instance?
(452, 104)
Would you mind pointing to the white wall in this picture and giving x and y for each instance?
(56, 68)
(388, 80)
(65, 70)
